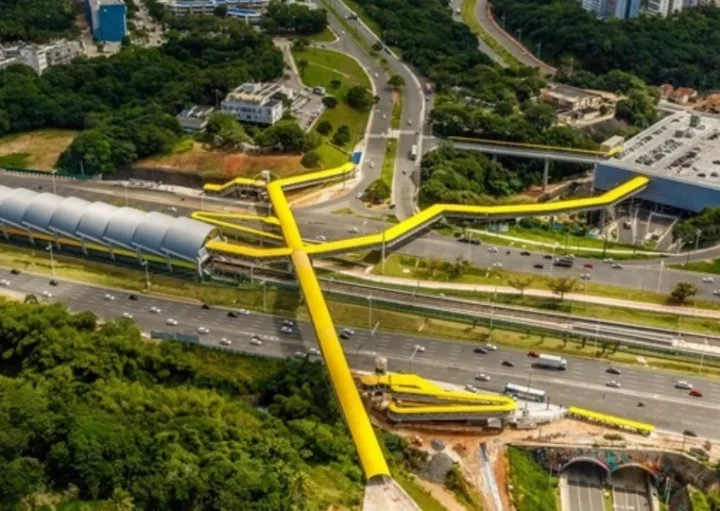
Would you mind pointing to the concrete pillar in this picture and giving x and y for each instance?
(546, 171)
(552, 223)
(603, 217)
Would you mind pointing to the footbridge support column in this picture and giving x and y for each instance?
(546, 173)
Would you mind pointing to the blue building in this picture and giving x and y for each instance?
(108, 19)
(623, 9)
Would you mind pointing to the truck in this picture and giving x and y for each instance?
(413, 152)
(551, 362)
(564, 261)
(381, 365)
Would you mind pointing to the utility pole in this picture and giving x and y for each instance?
(539, 49)
(53, 181)
(369, 298)
(52, 259)
(144, 263)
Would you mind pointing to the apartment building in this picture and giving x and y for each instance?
(258, 103)
(40, 57)
(252, 10)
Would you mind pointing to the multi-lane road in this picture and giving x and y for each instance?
(583, 384)
(585, 487)
(645, 275)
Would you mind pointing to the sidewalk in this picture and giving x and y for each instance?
(506, 290)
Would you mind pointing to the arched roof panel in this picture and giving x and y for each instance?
(123, 225)
(14, 206)
(95, 220)
(41, 210)
(186, 238)
(151, 231)
(67, 215)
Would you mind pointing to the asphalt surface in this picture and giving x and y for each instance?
(630, 490)
(585, 487)
(641, 274)
(455, 5)
(583, 384)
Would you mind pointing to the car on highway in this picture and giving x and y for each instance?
(490, 347)
(588, 266)
(608, 260)
(481, 351)
(299, 354)
(482, 377)
(5, 282)
(470, 388)
(321, 238)
(353, 230)
(53, 282)
(463, 239)
(409, 122)
(171, 322)
(613, 370)
(15, 271)
(538, 266)
(497, 265)
(46, 294)
(418, 348)
(548, 256)
(286, 329)
(225, 341)
(585, 276)
(716, 292)
(507, 363)
(695, 393)
(256, 341)
(617, 266)
(134, 298)
(707, 280)
(109, 297)
(533, 354)
(682, 384)
(493, 250)
(206, 306)
(614, 384)
(155, 310)
(473, 241)
(384, 116)
(346, 333)
(203, 330)
(690, 432)
(288, 322)
(314, 351)
(233, 314)
(244, 312)
(127, 315)
(525, 253)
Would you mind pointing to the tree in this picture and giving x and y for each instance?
(378, 191)
(541, 116)
(301, 488)
(324, 127)
(330, 101)
(359, 98)
(223, 131)
(31, 299)
(310, 159)
(520, 283)
(90, 152)
(342, 136)
(396, 81)
(220, 11)
(302, 65)
(335, 83)
(682, 291)
(300, 44)
(562, 285)
(284, 136)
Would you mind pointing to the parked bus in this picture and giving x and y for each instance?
(413, 152)
(526, 393)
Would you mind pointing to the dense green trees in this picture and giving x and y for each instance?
(130, 100)
(37, 20)
(359, 98)
(225, 132)
(294, 18)
(681, 49)
(287, 136)
(99, 414)
(708, 225)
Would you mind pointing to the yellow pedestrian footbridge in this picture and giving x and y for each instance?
(610, 421)
(415, 395)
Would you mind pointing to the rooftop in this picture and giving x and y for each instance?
(682, 146)
(254, 92)
(568, 91)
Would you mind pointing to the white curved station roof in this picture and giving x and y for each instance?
(104, 223)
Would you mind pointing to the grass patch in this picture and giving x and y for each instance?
(326, 36)
(531, 484)
(331, 155)
(388, 166)
(396, 116)
(183, 145)
(343, 211)
(467, 11)
(37, 150)
(323, 67)
(710, 266)
(371, 23)
(422, 497)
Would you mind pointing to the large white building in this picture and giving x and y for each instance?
(252, 9)
(259, 103)
(41, 57)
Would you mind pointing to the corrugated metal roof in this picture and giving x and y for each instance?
(184, 236)
(12, 209)
(67, 216)
(41, 210)
(95, 220)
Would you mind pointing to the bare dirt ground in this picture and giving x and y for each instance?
(38, 149)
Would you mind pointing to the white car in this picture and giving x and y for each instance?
(109, 297)
(614, 384)
(225, 341)
(410, 122)
(286, 329)
(470, 388)
(127, 315)
(708, 280)
(255, 341)
(299, 354)
(490, 347)
(608, 260)
(203, 330)
(376, 75)
(716, 292)
(155, 310)
(244, 311)
(419, 348)
(313, 351)
(585, 276)
(482, 377)
(353, 230)
(171, 322)
(5, 282)
(682, 384)
(497, 265)
(46, 294)
(321, 238)
(493, 250)
(372, 164)
(384, 116)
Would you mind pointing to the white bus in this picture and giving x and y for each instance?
(526, 393)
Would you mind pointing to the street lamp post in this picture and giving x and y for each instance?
(369, 299)
(264, 294)
(702, 356)
(52, 259)
(416, 348)
(698, 233)
(53, 181)
(144, 263)
(127, 202)
(662, 267)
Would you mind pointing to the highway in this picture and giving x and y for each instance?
(641, 274)
(497, 59)
(630, 490)
(584, 383)
(585, 487)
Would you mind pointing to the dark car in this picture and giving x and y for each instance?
(613, 370)
(473, 241)
(538, 266)
(525, 253)
(232, 314)
(689, 432)
(548, 256)
(482, 351)
(508, 252)
(533, 354)
(53, 282)
(463, 239)
(15, 271)
(507, 363)
(206, 306)
(133, 298)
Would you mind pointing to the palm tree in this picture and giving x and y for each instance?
(301, 487)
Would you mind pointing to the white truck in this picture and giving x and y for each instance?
(551, 362)
(381, 365)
